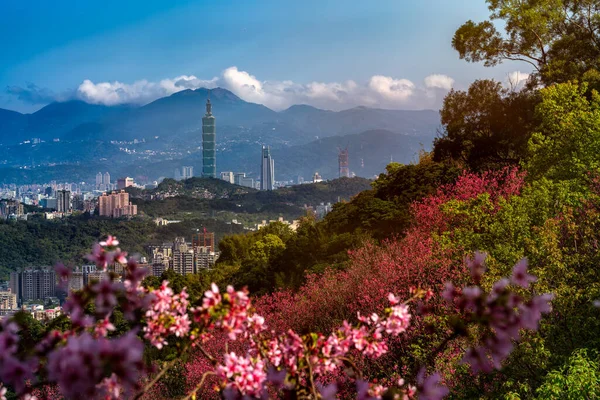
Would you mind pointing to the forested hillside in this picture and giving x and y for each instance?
(470, 274)
(515, 174)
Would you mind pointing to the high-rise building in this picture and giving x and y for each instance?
(183, 257)
(267, 170)
(8, 301)
(205, 258)
(343, 163)
(63, 201)
(158, 268)
(78, 202)
(184, 173)
(204, 239)
(123, 183)
(227, 176)
(187, 172)
(209, 150)
(34, 284)
(116, 205)
(248, 182)
(99, 179)
(238, 177)
(106, 179)
(183, 261)
(14, 284)
(49, 203)
(10, 207)
(76, 280)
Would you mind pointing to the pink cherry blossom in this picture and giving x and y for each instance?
(520, 276)
(99, 257)
(110, 241)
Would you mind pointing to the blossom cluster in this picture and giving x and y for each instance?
(167, 315)
(304, 359)
(500, 314)
(230, 312)
(87, 360)
(82, 360)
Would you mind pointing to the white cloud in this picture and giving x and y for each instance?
(139, 92)
(378, 91)
(187, 82)
(391, 89)
(438, 81)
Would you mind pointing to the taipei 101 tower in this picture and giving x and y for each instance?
(209, 150)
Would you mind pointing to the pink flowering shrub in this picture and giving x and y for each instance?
(86, 362)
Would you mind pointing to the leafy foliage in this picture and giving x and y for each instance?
(560, 39)
(486, 127)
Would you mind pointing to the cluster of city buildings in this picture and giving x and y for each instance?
(63, 199)
(116, 205)
(42, 312)
(184, 257)
(33, 288)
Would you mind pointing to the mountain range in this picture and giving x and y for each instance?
(71, 140)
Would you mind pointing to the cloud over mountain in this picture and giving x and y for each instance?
(378, 91)
(33, 94)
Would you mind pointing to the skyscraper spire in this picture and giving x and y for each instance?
(208, 105)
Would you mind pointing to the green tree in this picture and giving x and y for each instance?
(559, 39)
(578, 379)
(566, 144)
(485, 127)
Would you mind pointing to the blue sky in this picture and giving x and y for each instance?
(332, 54)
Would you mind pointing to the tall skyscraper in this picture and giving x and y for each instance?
(99, 179)
(209, 150)
(267, 170)
(343, 163)
(106, 179)
(63, 201)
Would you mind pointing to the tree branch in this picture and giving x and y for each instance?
(192, 394)
(161, 373)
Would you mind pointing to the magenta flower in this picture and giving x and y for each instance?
(110, 241)
(98, 256)
(106, 296)
(477, 265)
(103, 327)
(520, 276)
(118, 256)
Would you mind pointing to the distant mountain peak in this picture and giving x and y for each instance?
(218, 93)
